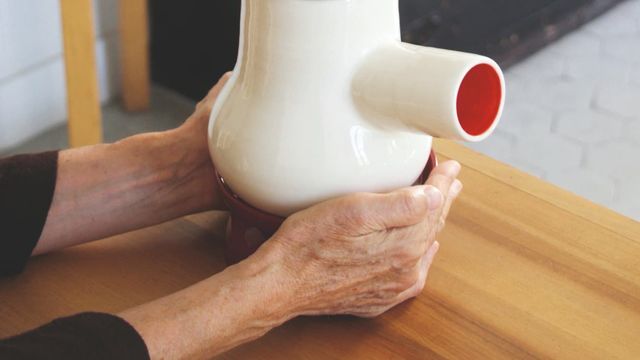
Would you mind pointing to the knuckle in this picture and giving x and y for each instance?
(356, 209)
(297, 226)
(425, 244)
(406, 281)
(358, 219)
(366, 315)
(408, 256)
(412, 204)
(441, 224)
(398, 286)
(374, 312)
(385, 297)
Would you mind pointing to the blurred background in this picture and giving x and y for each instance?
(572, 115)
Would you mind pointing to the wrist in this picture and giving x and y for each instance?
(233, 307)
(196, 166)
(245, 301)
(179, 163)
(272, 283)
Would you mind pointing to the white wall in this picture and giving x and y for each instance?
(32, 79)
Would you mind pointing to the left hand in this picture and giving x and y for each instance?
(198, 122)
(194, 134)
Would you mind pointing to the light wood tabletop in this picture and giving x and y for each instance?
(525, 270)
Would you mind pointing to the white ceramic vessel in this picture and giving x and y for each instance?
(326, 100)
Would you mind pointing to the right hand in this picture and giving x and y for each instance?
(365, 253)
(360, 254)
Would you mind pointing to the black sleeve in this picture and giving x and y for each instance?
(27, 183)
(83, 336)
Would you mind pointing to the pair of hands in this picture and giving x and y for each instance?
(361, 254)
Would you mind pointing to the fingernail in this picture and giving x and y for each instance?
(456, 167)
(434, 196)
(456, 187)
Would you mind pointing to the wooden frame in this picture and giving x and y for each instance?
(83, 98)
(134, 54)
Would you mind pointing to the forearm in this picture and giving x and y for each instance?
(231, 308)
(104, 190)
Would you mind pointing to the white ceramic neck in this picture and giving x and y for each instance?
(275, 32)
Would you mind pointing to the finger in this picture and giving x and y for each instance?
(215, 90)
(428, 260)
(405, 207)
(425, 265)
(415, 290)
(454, 191)
(443, 175)
(221, 82)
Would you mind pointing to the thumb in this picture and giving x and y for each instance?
(401, 208)
(212, 95)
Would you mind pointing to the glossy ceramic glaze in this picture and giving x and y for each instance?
(325, 100)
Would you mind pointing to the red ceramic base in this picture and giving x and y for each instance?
(248, 227)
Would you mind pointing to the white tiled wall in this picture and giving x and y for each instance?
(32, 81)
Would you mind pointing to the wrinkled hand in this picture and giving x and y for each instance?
(193, 136)
(365, 253)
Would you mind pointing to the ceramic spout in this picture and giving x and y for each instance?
(441, 93)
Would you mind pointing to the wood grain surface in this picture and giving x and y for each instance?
(526, 270)
(83, 99)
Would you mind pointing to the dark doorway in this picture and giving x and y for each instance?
(195, 41)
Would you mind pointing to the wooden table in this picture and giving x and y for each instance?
(526, 270)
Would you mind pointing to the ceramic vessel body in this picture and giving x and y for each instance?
(325, 100)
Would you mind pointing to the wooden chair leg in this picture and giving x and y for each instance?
(83, 100)
(134, 54)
